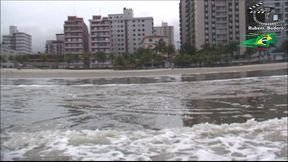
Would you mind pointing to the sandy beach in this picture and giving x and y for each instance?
(95, 73)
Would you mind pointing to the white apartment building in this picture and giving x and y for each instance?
(18, 41)
(128, 31)
(100, 35)
(165, 30)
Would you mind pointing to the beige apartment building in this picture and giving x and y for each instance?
(55, 46)
(165, 30)
(76, 36)
(213, 21)
(100, 34)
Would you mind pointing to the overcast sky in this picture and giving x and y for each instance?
(43, 19)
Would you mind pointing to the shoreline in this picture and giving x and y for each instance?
(205, 72)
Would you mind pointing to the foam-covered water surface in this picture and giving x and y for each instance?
(251, 140)
(144, 119)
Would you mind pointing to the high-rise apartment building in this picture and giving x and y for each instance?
(100, 34)
(76, 36)
(128, 31)
(165, 30)
(213, 21)
(55, 46)
(19, 41)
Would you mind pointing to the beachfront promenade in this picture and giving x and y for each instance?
(63, 73)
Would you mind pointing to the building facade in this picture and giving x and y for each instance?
(55, 46)
(76, 36)
(100, 35)
(281, 10)
(165, 30)
(128, 31)
(212, 21)
(149, 42)
(18, 41)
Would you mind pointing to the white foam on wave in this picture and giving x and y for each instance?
(248, 78)
(252, 140)
(37, 86)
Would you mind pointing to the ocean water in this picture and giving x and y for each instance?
(144, 119)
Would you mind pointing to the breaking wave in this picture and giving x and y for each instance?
(252, 140)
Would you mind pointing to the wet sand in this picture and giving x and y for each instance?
(95, 73)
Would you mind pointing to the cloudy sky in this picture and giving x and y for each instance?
(43, 19)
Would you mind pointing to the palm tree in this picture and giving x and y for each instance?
(160, 46)
(170, 51)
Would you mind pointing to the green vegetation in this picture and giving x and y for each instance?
(207, 56)
(162, 55)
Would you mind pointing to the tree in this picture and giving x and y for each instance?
(187, 48)
(86, 59)
(21, 58)
(119, 62)
(183, 60)
(170, 50)
(43, 57)
(160, 47)
(3, 58)
(230, 50)
(101, 56)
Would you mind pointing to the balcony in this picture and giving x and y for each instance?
(100, 35)
(100, 41)
(71, 47)
(72, 31)
(73, 36)
(98, 46)
(72, 25)
(100, 30)
(100, 24)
